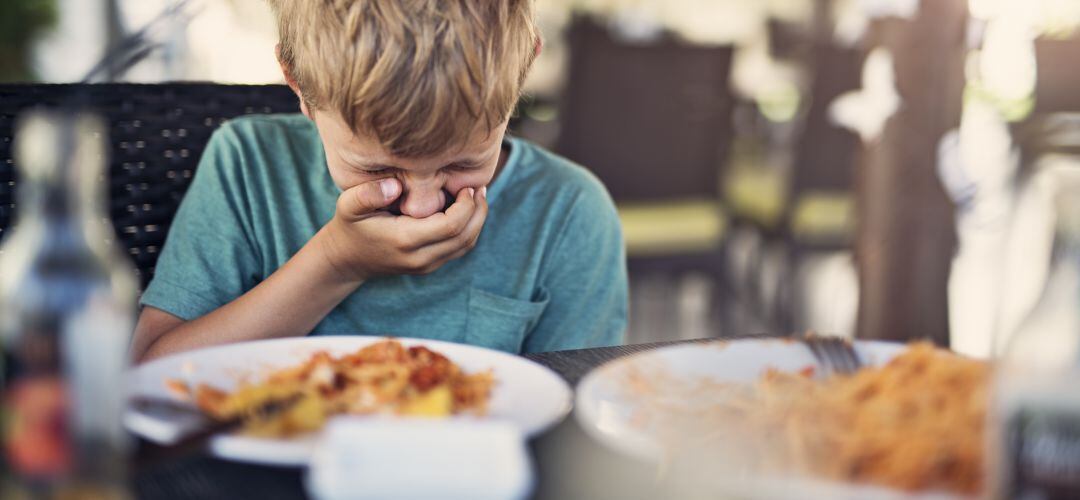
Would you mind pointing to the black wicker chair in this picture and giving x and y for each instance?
(157, 132)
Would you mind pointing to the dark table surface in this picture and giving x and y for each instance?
(569, 464)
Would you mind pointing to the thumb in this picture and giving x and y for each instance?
(363, 199)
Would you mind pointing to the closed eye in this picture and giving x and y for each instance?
(378, 169)
(461, 166)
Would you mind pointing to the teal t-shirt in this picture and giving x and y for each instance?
(548, 272)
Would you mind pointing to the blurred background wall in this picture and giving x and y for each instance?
(845, 166)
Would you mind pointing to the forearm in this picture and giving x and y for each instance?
(290, 302)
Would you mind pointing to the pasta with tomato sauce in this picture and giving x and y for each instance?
(381, 378)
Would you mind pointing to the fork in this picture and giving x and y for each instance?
(174, 429)
(835, 354)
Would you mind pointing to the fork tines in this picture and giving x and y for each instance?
(835, 354)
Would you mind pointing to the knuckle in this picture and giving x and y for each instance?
(416, 264)
(342, 206)
(463, 239)
(364, 197)
(399, 241)
(446, 227)
(454, 226)
(357, 197)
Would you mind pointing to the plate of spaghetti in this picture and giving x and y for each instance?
(283, 391)
(756, 418)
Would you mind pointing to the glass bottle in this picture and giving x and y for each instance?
(67, 309)
(1035, 413)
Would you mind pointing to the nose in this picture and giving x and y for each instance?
(422, 199)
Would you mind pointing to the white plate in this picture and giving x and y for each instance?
(526, 394)
(612, 414)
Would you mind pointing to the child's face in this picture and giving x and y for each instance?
(429, 183)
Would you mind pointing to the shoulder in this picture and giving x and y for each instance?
(263, 131)
(263, 146)
(286, 123)
(564, 185)
(281, 124)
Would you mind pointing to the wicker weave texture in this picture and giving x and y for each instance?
(157, 133)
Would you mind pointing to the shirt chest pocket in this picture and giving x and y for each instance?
(500, 322)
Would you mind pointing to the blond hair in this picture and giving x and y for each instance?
(420, 76)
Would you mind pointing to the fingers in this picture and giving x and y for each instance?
(461, 243)
(362, 200)
(471, 234)
(418, 246)
(445, 225)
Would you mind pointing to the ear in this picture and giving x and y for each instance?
(539, 46)
(291, 82)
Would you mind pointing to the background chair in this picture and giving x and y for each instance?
(818, 224)
(793, 222)
(157, 133)
(652, 120)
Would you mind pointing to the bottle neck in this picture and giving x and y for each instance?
(52, 200)
(61, 190)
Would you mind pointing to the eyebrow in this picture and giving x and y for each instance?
(462, 162)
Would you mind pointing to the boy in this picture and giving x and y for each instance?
(394, 204)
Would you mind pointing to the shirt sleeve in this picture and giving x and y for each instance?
(209, 257)
(585, 280)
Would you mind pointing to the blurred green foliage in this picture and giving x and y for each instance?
(20, 22)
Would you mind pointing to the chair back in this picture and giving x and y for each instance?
(157, 133)
(651, 120)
